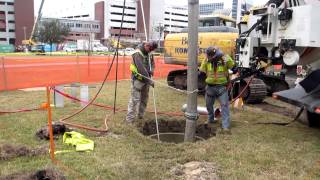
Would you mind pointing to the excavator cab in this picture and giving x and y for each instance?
(216, 20)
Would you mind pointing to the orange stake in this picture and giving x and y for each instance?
(50, 126)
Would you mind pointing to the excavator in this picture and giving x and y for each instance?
(216, 32)
(286, 32)
(30, 43)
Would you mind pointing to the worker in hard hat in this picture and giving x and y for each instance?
(142, 68)
(216, 67)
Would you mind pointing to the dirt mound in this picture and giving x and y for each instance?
(58, 129)
(195, 171)
(8, 151)
(46, 174)
(202, 130)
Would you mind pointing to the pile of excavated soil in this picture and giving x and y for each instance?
(195, 171)
(8, 151)
(57, 129)
(46, 174)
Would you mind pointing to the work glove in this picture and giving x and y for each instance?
(151, 83)
(234, 70)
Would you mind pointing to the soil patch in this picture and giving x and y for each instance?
(46, 174)
(8, 151)
(57, 128)
(195, 171)
(265, 106)
(203, 130)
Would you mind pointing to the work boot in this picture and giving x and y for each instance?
(212, 121)
(226, 131)
(129, 121)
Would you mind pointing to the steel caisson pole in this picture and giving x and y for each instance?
(192, 82)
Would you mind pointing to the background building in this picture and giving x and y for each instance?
(159, 18)
(175, 18)
(209, 8)
(246, 5)
(109, 13)
(79, 29)
(16, 21)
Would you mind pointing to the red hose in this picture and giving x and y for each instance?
(243, 90)
(20, 110)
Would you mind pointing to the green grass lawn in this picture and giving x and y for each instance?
(253, 151)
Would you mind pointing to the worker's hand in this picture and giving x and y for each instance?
(235, 70)
(151, 83)
(201, 74)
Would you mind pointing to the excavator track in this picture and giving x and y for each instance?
(256, 92)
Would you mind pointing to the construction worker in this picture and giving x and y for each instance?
(142, 68)
(216, 67)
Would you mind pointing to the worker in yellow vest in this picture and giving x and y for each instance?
(142, 68)
(216, 67)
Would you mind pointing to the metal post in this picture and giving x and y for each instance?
(84, 94)
(58, 98)
(144, 21)
(192, 82)
(239, 8)
(24, 32)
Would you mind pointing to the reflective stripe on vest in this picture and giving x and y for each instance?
(133, 67)
(218, 76)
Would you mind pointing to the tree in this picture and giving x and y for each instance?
(52, 32)
(160, 28)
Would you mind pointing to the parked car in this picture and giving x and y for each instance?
(126, 52)
(69, 49)
(99, 48)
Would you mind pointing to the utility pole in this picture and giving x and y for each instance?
(192, 82)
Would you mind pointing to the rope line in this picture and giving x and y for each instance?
(63, 120)
(170, 87)
(21, 110)
(111, 108)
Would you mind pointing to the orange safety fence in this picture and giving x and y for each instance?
(43, 71)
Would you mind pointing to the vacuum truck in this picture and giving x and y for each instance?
(286, 32)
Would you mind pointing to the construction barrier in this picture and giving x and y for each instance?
(43, 71)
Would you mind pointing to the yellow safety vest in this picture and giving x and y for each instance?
(219, 75)
(78, 140)
(133, 67)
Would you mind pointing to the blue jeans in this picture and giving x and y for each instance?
(218, 92)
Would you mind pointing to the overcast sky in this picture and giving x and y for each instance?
(54, 6)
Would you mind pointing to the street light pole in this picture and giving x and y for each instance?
(192, 82)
